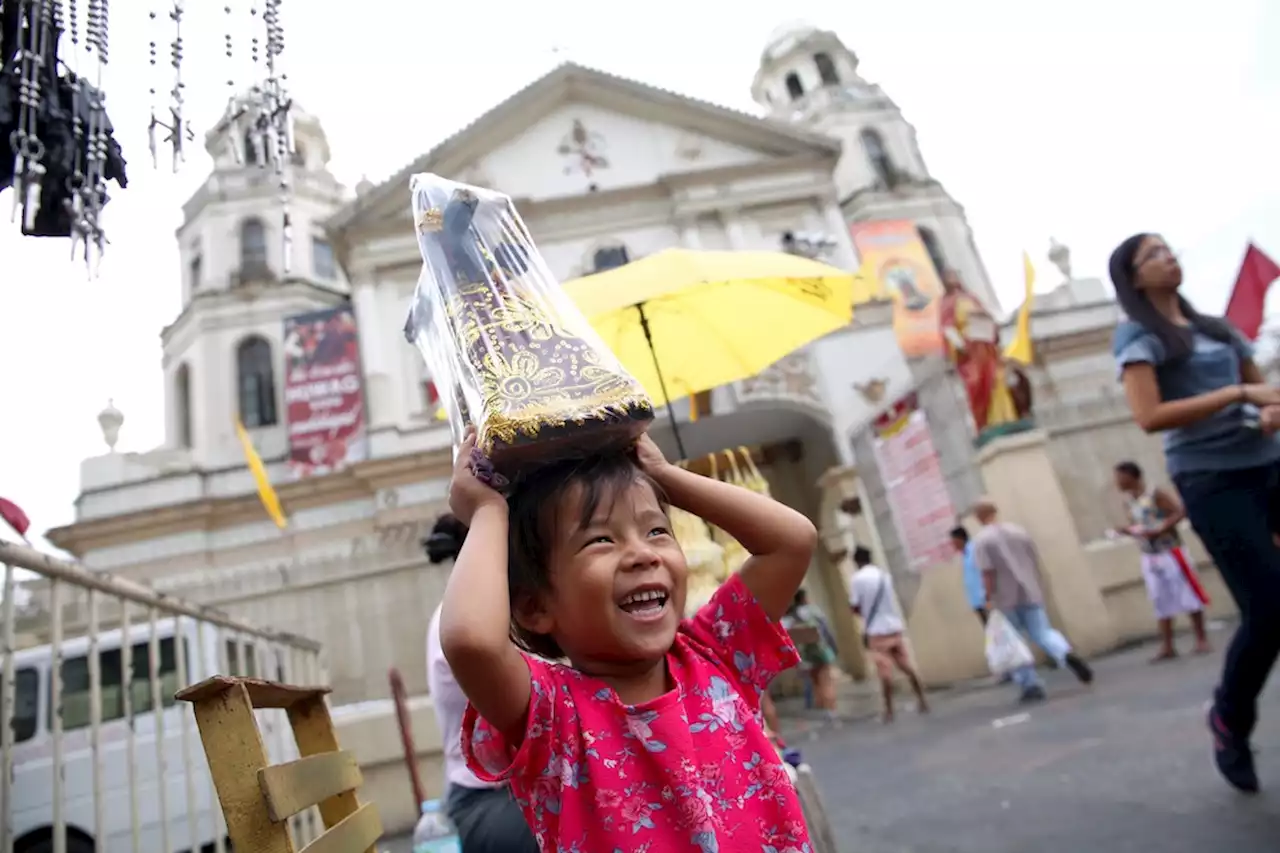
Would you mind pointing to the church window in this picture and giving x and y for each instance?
(794, 87)
(256, 382)
(826, 69)
(933, 247)
(610, 257)
(322, 259)
(196, 268)
(878, 156)
(251, 157)
(253, 245)
(182, 405)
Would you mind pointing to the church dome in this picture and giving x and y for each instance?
(785, 36)
(239, 114)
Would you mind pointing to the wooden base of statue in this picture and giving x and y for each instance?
(991, 433)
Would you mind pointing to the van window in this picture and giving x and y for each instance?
(75, 683)
(271, 659)
(250, 657)
(26, 695)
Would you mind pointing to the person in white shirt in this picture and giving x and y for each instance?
(486, 817)
(871, 596)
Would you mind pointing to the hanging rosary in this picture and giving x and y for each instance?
(261, 121)
(53, 114)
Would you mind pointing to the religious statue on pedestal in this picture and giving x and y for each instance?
(998, 392)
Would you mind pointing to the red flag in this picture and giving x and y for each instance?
(14, 517)
(1249, 296)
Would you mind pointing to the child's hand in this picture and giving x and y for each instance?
(467, 493)
(651, 460)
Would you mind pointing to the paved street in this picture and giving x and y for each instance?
(1123, 766)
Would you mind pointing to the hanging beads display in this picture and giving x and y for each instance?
(54, 120)
(261, 121)
(177, 129)
(53, 111)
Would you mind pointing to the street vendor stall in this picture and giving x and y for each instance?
(53, 115)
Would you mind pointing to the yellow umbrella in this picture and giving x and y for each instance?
(683, 321)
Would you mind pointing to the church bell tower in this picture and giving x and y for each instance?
(808, 76)
(252, 253)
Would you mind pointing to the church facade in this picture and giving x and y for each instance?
(603, 170)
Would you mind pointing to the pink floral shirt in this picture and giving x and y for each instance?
(690, 770)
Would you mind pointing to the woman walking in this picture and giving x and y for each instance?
(817, 649)
(1193, 378)
(1172, 584)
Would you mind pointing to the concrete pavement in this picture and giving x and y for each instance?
(1121, 766)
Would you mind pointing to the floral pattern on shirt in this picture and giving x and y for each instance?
(690, 770)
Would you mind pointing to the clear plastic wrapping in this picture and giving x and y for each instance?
(509, 352)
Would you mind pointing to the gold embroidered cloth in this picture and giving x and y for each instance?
(507, 350)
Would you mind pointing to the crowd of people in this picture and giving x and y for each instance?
(579, 708)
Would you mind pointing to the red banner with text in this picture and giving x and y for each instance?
(324, 391)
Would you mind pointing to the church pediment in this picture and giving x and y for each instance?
(577, 130)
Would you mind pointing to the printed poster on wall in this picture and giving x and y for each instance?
(323, 391)
(893, 253)
(915, 485)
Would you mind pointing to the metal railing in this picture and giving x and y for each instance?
(96, 755)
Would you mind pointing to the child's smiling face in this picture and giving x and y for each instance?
(618, 579)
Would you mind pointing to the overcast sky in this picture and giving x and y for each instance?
(1084, 121)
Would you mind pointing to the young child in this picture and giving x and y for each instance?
(649, 737)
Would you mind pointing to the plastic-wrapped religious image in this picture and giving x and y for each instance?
(509, 352)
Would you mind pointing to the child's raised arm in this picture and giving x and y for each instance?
(475, 618)
(779, 539)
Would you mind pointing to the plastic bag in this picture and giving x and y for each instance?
(734, 554)
(508, 351)
(1006, 650)
(750, 475)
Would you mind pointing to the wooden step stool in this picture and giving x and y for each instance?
(257, 798)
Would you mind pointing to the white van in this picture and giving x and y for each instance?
(31, 811)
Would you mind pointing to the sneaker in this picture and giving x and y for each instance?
(1082, 670)
(1233, 756)
(1032, 694)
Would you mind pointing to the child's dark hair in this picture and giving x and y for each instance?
(534, 503)
(958, 532)
(445, 540)
(862, 556)
(1130, 469)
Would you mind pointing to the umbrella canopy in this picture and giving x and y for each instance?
(713, 317)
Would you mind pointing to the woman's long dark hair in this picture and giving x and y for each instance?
(1177, 340)
(445, 540)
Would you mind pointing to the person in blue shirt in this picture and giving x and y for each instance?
(1193, 379)
(973, 588)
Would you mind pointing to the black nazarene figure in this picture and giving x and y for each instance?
(487, 318)
(54, 122)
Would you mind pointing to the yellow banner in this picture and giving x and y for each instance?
(893, 253)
